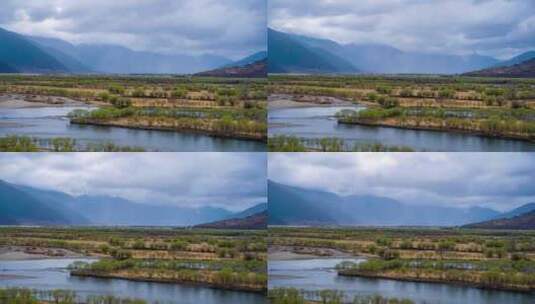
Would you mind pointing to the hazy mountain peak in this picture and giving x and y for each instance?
(23, 204)
(52, 55)
(22, 55)
(310, 206)
(375, 58)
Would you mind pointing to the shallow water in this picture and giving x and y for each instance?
(50, 122)
(318, 274)
(318, 122)
(52, 274)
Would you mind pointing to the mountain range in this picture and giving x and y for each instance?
(23, 205)
(289, 205)
(30, 54)
(287, 54)
(524, 221)
(290, 53)
(257, 69)
(19, 54)
(253, 221)
(525, 69)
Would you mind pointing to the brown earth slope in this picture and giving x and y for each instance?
(525, 69)
(524, 221)
(253, 70)
(255, 221)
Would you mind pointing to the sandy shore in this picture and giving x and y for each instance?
(286, 103)
(282, 253)
(17, 101)
(282, 101)
(21, 253)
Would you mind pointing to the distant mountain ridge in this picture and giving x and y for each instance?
(524, 221)
(30, 54)
(258, 56)
(525, 69)
(287, 54)
(258, 208)
(253, 221)
(516, 60)
(18, 207)
(257, 69)
(18, 54)
(114, 59)
(289, 205)
(518, 211)
(366, 58)
(26, 205)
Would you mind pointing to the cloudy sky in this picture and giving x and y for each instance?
(231, 180)
(502, 181)
(232, 28)
(500, 28)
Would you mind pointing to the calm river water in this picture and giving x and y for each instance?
(318, 274)
(318, 122)
(52, 274)
(50, 122)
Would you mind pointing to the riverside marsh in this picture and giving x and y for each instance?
(152, 113)
(404, 113)
(227, 260)
(427, 263)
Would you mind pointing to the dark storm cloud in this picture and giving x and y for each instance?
(232, 28)
(500, 28)
(231, 180)
(497, 180)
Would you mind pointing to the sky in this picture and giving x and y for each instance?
(501, 181)
(498, 28)
(230, 28)
(234, 181)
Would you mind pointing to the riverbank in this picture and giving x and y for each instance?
(282, 253)
(58, 296)
(206, 127)
(21, 101)
(327, 296)
(437, 125)
(24, 253)
(201, 278)
(283, 101)
(472, 279)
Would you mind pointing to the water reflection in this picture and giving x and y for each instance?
(318, 122)
(52, 274)
(50, 122)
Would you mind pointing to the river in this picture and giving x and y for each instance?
(52, 274)
(319, 273)
(318, 122)
(50, 122)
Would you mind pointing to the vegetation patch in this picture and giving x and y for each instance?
(481, 258)
(493, 107)
(224, 107)
(226, 259)
(294, 296)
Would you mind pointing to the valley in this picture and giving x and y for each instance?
(24, 205)
(53, 55)
(400, 113)
(308, 209)
(291, 53)
(414, 265)
(132, 113)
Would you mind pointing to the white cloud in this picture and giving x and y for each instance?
(232, 28)
(501, 28)
(231, 180)
(497, 180)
